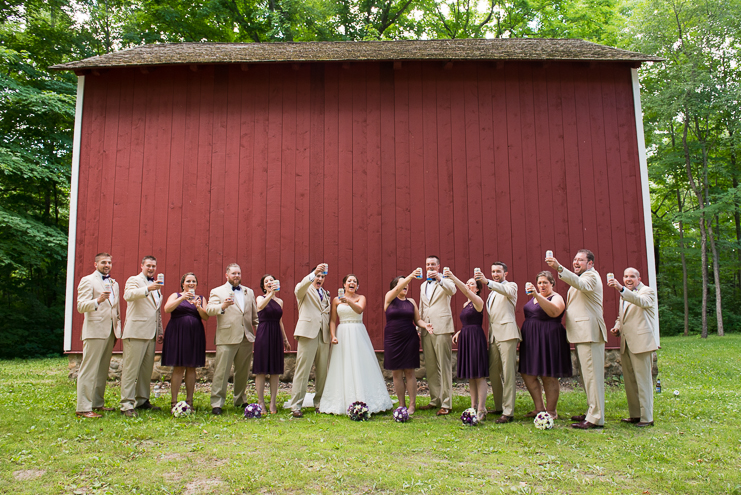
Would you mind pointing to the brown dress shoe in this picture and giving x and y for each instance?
(297, 414)
(585, 425)
(443, 412)
(504, 419)
(130, 413)
(579, 418)
(644, 423)
(426, 407)
(89, 414)
(106, 409)
(493, 412)
(631, 420)
(532, 414)
(148, 405)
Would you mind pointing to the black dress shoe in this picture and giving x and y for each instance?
(148, 405)
(492, 411)
(631, 420)
(130, 413)
(579, 417)
(644, 423)
(216, 411)
(504, 419)
(585, 425)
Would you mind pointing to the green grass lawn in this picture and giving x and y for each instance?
(695, 446)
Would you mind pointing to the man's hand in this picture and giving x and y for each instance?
(227, 302)
(615, 331)
(103, 296)
(615, 284)
(552, 262)
(156, 285)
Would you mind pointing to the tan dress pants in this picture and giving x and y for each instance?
(438, 351)
(502, 374)
(136, 376)
(226, 354)
(309, 352)
(93, 374)
(592, 363)
(639, 384)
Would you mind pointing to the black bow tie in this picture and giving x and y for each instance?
(150, 279)
(106, 277)
(236, 288)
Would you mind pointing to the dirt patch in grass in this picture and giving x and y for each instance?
(197, 487)
(28, 474)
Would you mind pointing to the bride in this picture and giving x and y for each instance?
(354, 373)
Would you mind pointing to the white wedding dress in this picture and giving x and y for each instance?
(354, 373)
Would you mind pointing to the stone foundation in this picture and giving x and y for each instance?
(613, 368)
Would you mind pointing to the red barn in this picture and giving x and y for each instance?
(365, 155)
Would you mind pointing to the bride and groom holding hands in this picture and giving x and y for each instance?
(353, 372)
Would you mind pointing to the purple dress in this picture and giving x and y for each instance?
(185, 339)
(400, 338)
(473, 357)
(544, 350)
(268, 357)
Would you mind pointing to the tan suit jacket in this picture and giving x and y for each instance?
(313, 312)
(637, 320)
(436, 310)
(143, 317)
(501, 305)
(583, 318)
(235, 324)
(99, 318)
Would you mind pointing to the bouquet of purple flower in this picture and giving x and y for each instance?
(252, 411)
(181, 409)
(401, 414)
(358, 411)
(469, 417)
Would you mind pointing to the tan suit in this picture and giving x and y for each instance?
(639, 332)
(585, 327)
(438, 346)
(234, 342)
(142, 326)
(100, 329)
(503, 338)
(313, 336)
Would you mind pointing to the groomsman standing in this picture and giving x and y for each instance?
(142, 327)
(503, 338)
(312, 334)
(639, 331)
(434, 308)
(585, 327)
(236, 316)
(97, 299)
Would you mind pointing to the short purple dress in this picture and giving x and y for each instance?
(185, 339)
(268, 357)
(400, 338)
(544, 350)
(473, 358)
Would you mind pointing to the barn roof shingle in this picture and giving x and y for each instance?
(535, 49)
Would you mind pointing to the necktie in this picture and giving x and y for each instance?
(237, 288)
(321, 296)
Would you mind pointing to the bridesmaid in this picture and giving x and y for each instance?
(473, 358)
(268, 358)
(184, 345)
(401, 340)
(544, 350)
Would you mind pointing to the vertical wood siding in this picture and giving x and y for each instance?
(366, 167)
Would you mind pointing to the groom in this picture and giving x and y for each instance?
(312, 334)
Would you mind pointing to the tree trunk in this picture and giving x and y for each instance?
(684, 266)
(716, 279)
(703, 233)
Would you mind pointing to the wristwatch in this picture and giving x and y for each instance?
(560, 268)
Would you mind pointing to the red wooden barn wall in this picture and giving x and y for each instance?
(365, 167)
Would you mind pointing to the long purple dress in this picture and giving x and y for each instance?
(544, 350)
(400, 339)
(268, 357)
(185, 339)
(473, 358)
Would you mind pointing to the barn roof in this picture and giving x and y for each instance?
(535, 49)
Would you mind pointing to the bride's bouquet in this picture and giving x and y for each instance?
(252, 411)
(401, 415)
(358, 411)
